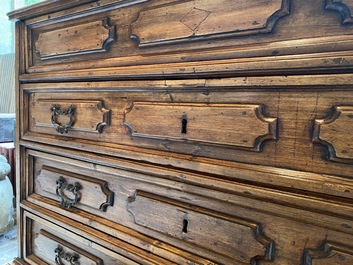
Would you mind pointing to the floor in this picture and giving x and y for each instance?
(8, 246)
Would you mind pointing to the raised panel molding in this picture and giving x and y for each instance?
(240, 239)
(89, 38)
(90, 115)
(62, 252)
(239, 126)
(202, 20)
(329, 253)
(334, 133)
(99, 189)
(343, 7)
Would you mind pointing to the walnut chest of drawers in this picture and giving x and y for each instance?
(185, 132)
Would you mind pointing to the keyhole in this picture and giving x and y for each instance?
(185, 226)
(184, 123)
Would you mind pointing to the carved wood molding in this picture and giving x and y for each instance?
(192, 223)
(330, 252)
(90, 115)
(99, 189)
(89, 38)
(57, 249)
(332, 132)
(343, 7)
(185, 21)
(244, 126)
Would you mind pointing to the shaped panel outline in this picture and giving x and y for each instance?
(255, 228)
(326, 250)
(255, 145)
(337, 114)
(103, 185)
(342, 8)
(266, 28)
(101, 46)
(97, 105)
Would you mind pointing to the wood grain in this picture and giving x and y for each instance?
(239, 239)
(329, 253)
(332, 132)
(269, 37)
(221, 127)
(193, 20)
(94, 37)
(89, 115)
(238, 126)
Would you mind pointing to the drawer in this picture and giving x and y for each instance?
(237, 238)
(98, 199)
(154, 209)
(120, 118)
(48, 243)
(76, 191)
(212, 124)
(268, 125)
(271, 36)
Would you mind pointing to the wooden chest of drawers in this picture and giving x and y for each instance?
(185, 132)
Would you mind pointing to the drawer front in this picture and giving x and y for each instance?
(89, 38)
(207, 221)
(47, 243)
(304, 130)
(88, 116)
(136, 206)
(237, 238)
(73, 188)
(271, 35)
(236, 126)
(57, 250)
(81, 193)
(214, 124)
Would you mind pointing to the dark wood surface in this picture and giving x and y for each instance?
(185, 132)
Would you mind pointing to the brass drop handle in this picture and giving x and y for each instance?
(62, 186)
(56, 110)
(60, 254)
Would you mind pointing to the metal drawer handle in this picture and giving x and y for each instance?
(60, 254)
(61, 185)
(56, 109)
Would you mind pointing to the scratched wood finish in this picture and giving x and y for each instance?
(185, 132)
(169, 198)
(88, 116)
(199, 19)
(329, 253)
(235, 237)
(48, 244)
(45, 237)
(261, 224)
(93, 37)
(331, 132)
(283, 130)
(49, 183)
(217, 124)
(269, 37)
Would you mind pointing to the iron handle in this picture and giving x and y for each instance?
(60, 254)
(56, 110)
(62, 186)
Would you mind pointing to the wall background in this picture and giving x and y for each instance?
(7, 56)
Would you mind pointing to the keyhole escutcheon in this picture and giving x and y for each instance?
(185, 226)
(184, 123)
